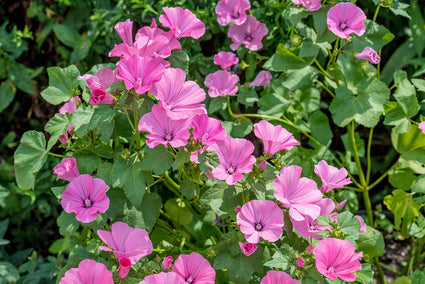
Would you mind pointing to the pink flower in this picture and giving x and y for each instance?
(140, 72)
(181, 99)
(163, 278)
(311, 5)
(331, 177)
(250, 33)
(194, 268)
(337, 258)
(362, 223)
(88, 272)
(263, 165)
(346, 18)
(238, 209)
(221, 83)
(247, 248)
(341, 205)
(300, 262)
(64, 138)
(124, 267)
(67, 169)
(275, 138)
(207, 129)
(85, 196)
(125, 31)
(105, 77)
(126, 242)
(153, 41)
(70, 106)
(308, 228)
(421, 126)
(235, 159)
(309, 248)
(225, 59)
(369, 54)
(100, 96)
(260, 219)
(163, 130)
(300, 195)
(274, 277)
(263, 79)
(182, 22)
(166, 263)
(232, 11)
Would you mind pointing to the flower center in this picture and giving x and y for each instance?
(168, 137)
(231, 170)
(248, 38)
(258, 227)
(189, 279)
(342, 26)
(88, 203)
(236, 15)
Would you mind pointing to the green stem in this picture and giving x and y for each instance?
(129, 120)
(378, 67)
(386, 267)
(353, 188)
(382, 177)
(56, 155)
(174, 187)
(369, 145)
(368, 205)
(350, 175)
(323, 71)
(229, 108)
(408, 269)
(181, 227)
(376, 12)
(326, 88)
(380, 272)
(136, 130)
(356, 154)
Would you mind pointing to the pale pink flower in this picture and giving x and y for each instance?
(194, 268)
(274, 277)
(362, 223)
(70, 106)
(346, 18)
(225, 59)
(250, 33)
(126, 242)
(124, 267)
(260, 219)
(309, 248)
(248, 248)
(125, 31)
(369, 54)
(163, 130)
(263, 79)
(153, 41)
(300, 262)
(341, 205)
(207, 130)
(67, 169)
(88, 272)
(140, 72)
(100, 96)
(181, 99)
(235, 159)
(232, 11)
(166, 263)
(182, 22)
(85, 196)
(421, 126)
(300, 195)
(163, 278)
(311, 5)
(105, 77)
(221, 83)
(331, 177)
(337, 258)
(64, 138)
(275, 138)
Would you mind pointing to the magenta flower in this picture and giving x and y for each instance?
(221, 83)
(341, 205)
(274, 277)
(140, 72)
(126, 242)
(369, 54)
(181, 99)
(163, 278)
(232, 11)
(64, 138)
(337, 258)
(362, 223)
(125, 31)
(346, 18)
(311, 5)
(207, 130)
(166, 263)
(263, 79)
(67, 169)
(105, 77)
(124, 267)
(182, 22)
(153, 41)
(88, 272)
(275, 138)
(225, 59)
(300, 195)
(250, 33)
(70, 106)
(331, 177)
(248, 248)
(163, 130)
(194, 268)
(300, 262)
(100, 96)
(235, 159)
(260, 219)
(421, 126)
(85, 196)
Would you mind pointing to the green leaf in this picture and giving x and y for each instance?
(417, 229)
(419, 184)
(178, 211)
(402, 280)
(399, 9)
(394, 115)
(8, 272)
(80, 51)
(376, 36)
(87, 161)
(406, 94)
(300, 79)
(62, 84)
(281, 258)
(371, 242)
(20, 77)
(81, 120)
(182, 157)
(238, 129)
(355, 71)
(247, 97)
(401, 178)
(349, 225)
(57, 191)
(405, 209)
(60, 245)
(365, 107)
(104, 120)
(189, 189)
(411, 144)
(67, 35)
(56, 126)
(418, 277)
(287, 59)
(221, 197)
(420, 84)
(67, 223)
(29, 158)
(398, 60)
(320, 129)
(157, 159)
(417, 25)
(274, 103)
(7, 94)
(179, 59)
(104, 172)
(3, 227)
